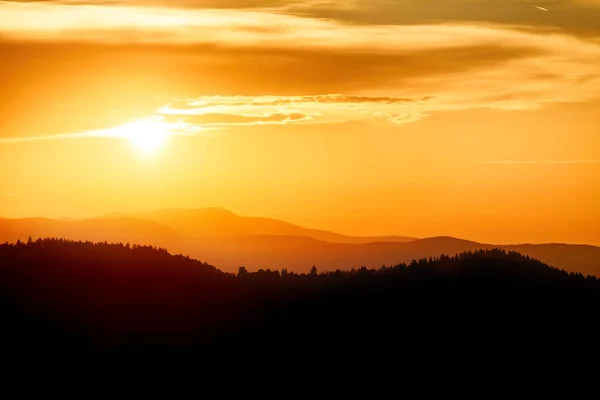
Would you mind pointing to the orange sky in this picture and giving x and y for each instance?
(383, 117)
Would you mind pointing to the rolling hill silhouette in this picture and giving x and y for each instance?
(251, 242)
(300, 254)
(77, 296)
(219, 222)
(120, 229)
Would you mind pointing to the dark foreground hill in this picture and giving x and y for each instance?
(80, 296)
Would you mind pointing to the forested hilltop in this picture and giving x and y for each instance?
(83, 295)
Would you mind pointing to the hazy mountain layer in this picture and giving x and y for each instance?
(258, 243)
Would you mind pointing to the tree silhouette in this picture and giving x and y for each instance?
(69, 292)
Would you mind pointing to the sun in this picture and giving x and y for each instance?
(147, 136)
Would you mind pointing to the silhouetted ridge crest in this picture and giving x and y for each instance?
(495, 262)
(57, 293)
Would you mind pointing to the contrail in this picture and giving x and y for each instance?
(541, 8)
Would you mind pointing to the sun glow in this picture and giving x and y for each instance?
(145, 136)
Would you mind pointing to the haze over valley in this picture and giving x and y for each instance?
(229, 241)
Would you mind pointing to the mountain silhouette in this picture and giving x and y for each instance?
(229, 241)
(118, 229)
(220, 222)
(79, 296)
(300, 254)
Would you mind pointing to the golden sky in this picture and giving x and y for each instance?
(471, 118)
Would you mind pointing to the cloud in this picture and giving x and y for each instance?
(392, 73)
(213, 4)
(200, 115)
(207, 113)
(28, 139)
(466, 64)
(574, 15)
(235, 27)
(151, 125)
(580, 16)
(264, 110)
(223, 120)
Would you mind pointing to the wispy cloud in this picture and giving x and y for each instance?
(463, 65)
(27, 139)
(203, 114)
(577, 15)
(238, 27)
(266, 110)
(153, 125)
(399, 73)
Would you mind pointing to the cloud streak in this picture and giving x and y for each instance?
(279, 110)
(398, 73)
(235, 27)
(574, 15)
(466, 65)
(209, 113)
(149, 125)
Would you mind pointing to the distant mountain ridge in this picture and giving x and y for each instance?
(215, 221)
(229, 241)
